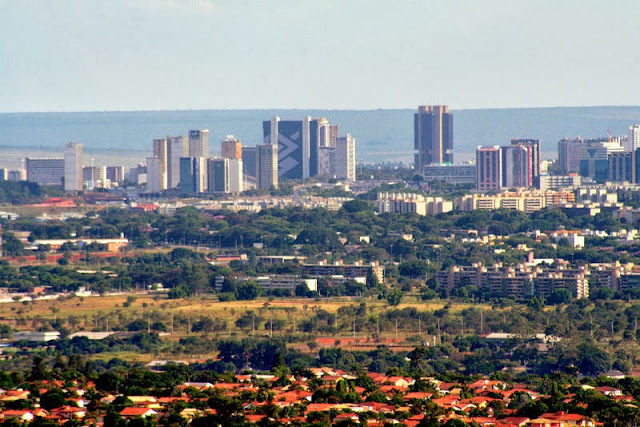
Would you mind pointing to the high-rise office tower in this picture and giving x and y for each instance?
(94, 177)
(585, 155)
(623, 167)
(515, 163)
(489, 168)
(292, 137)
(231, 148)
(224, 175)
(327, 162)
(634, 137)
(218, 175)
(156, 179)
(319, 137)
(199, 143)
(115, 174)
(345, 158)
(160, 152)
(193, 175)
(45, 170)
(73, 166)
(177, 147)
(249, 160)
(267, 166)
(433, 135)
(533, 159)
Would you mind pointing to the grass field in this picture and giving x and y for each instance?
(115, 312)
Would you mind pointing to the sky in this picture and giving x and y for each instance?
(96, 55)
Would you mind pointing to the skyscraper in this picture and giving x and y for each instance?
(433, 135)
(267, 166)
(193, 175)
(155, 175)
(199, 143)
(292, 137)
(177, 147)
(231, 148)
(160, 152)
(489, 168)
(515, 164)
(249, 160)
(115, 174)
(634, 137)
(345, 158)
(533, 159)
(73, 166)
(224, 175)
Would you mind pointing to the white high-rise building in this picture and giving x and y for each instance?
(345, 158)
(73, 166)
(199, 143)
(161, 153)
(155, 176)
(177, 147)
(634, 137)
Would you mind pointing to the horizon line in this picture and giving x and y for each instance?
(314, 109)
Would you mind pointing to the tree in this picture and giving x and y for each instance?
(394, 297)
(592, 360)
(413, 269)
(248, 291)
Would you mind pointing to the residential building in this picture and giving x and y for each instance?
(451, 174)
(267, 166)
(345, 158)
(489, 168)
(433, 135)
(73, 166)
(45, 170)
(199, 143)
(548, 182)
(409, 202)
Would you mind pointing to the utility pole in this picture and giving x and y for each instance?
(481, 322)
(396, 328)
(354, 328)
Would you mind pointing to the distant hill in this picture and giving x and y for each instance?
(381, 135)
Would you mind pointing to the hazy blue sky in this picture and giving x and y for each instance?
(76, 55)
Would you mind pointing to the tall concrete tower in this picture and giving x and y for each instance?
(433, 135)
(199, 143)
(73, 166)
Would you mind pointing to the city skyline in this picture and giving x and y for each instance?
(92, 56)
